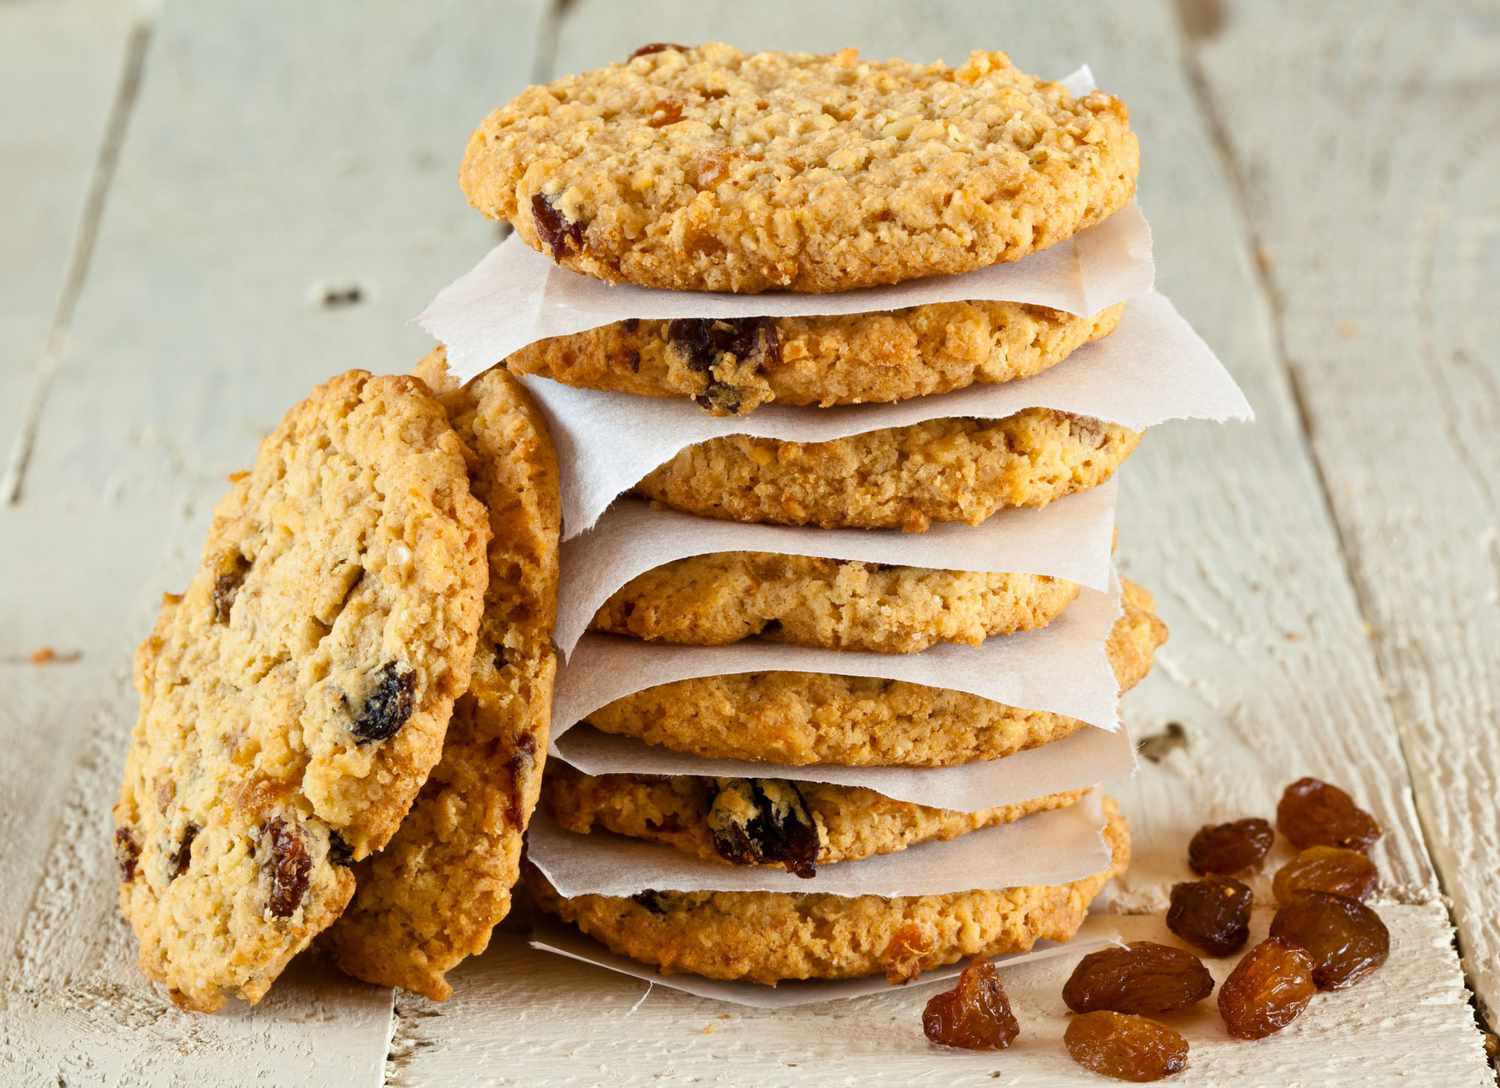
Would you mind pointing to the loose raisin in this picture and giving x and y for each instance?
(1326, 869)
(1313, 813)
(1144, 977)
(339, 850)
(287, 864)
(1346, 939)
(127, 853)
(755, 821)
(658, 47)
(1212, 914)
(182, 857)
(555, 230)
(388, 706)
(1227, 849)
(1267, 989)
(1125, 1047)
(975, 1014)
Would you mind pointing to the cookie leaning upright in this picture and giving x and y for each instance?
(433, 895)
(295, 697)
(708, 169)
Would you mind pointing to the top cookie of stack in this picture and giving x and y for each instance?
(706, 169)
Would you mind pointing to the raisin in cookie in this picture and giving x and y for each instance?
(731, 367)
(950, 470)
(798, 718)
(703, 168)
(433, 895)
(769, 937)
(294, 699)
(763, 821)
(836, 604)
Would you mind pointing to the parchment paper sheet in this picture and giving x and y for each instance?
(1085, 759)
(1069, 539)
(1048, 848)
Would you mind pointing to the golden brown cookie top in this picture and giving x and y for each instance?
(704, 168)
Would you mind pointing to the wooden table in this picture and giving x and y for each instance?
(209, 210)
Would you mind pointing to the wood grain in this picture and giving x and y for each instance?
(275, 151)
(1378, 221)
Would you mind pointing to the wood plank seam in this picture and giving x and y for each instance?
(13, 482)
(1192, 23)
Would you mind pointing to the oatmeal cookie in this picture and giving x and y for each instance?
(763, 821)
(703, 168)
(836, 604)
(797, 718)
(731, 367)
(769, 937)
(433, 895)
(951, 470)
(295, 697)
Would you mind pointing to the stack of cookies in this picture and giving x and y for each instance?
(707, 170)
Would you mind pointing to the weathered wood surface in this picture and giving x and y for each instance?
(1377, 214)
(279, 150)
(273, 151)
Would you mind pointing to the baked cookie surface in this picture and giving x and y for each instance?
(711, 600)
(763, 821)
(769, 937)
(799, 718)
(434, 894)
(703, 168)
(731, 367)
(295, 697)
(949, 470)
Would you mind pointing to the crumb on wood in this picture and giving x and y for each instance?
(709, 1029)
(46, 655)
(1348, 330)
(1158, 746)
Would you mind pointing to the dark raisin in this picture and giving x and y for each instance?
(339, 850)
(288, 866)
(1267, 989)
(1346, 939)
(1144, 977)
(127, 853)
(1212, 914)
(709, 343)
(1227, 849)
(1313, 813)
(520, 766)
(182, 857)
(232, 571)
(658, 47)
(755, 821)
(649, 899)
(975, 1014)
(388, 706)
(1326, 869)
(556, 231)
(630, 324)
(1125, 1047)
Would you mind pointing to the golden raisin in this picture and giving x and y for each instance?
(1227, 849)
(1212, 914)
(1267, 989)
(1314, 813)
(1346, 939)
(1326, 869)
(975, 1014)
(1125, 1047)
(1144, 977)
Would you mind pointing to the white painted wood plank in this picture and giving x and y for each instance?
(274, 149)
(1365, 141)
(60, 77)
(524, 1020)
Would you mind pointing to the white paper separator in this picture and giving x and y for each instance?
(1084, 759)
(1062, 668)
(1151, 369)
(1048, 848)
(549, 935)
(1069, 539)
